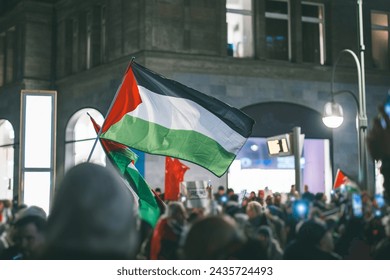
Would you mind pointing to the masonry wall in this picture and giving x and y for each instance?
(184, 40)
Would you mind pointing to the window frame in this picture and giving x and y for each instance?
(51, 169)
(322, 39)
(70, 140)
(279, 16)
(376, 27)
(244, 12)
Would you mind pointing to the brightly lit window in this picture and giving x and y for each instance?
(313, 33)
(80, 139)
(7, 136)
(380, 39)
(37, 149)
(278, 29)
(240, 28)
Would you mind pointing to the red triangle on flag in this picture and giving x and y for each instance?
(340, 179)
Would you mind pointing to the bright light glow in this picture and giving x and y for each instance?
(332, 121)
(254, 147)
(38, 148)
(37, 189)
(333, 115)
(301, 208)
(7, 133)
(38, 131)
(84, 130)
(6, 159)
(278, 174)
(278, 180)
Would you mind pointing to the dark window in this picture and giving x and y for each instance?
(68, 46)
(277, 29)
(75, 47)
(10, 55)
(313, 33)
(83, 40)
(2, 60)
(96, 38)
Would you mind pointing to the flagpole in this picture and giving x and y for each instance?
(109, 110)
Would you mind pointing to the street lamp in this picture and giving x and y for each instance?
(333, 113)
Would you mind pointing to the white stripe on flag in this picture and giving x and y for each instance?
(183, 114)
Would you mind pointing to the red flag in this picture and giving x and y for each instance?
(174, 175)
(340, 179)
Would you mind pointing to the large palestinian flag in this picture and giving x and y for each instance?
(161, 116)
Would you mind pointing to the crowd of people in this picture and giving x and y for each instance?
(94, 216)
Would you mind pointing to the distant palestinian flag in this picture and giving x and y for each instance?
(174, 175)
(161, 116)
(150, 205)
(340, 179)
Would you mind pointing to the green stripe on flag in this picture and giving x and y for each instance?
(148, 208)
(184, 144)
(122, 158)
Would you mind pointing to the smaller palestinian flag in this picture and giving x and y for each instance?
(150, 205)
(340, 179)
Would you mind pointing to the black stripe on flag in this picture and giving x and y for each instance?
(233, 117)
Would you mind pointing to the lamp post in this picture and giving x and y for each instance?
(334, 110)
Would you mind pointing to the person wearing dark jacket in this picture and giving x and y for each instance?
(94, 216)
(313, 242)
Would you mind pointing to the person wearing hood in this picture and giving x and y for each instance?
(93, 216)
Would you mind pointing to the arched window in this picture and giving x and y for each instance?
(80, 137)
(7, 136)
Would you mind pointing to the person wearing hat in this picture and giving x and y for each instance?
(313, 242)
(261, 198)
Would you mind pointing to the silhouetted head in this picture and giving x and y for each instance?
(93, 216)
(213, 237)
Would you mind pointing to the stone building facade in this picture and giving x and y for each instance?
(81, 49)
